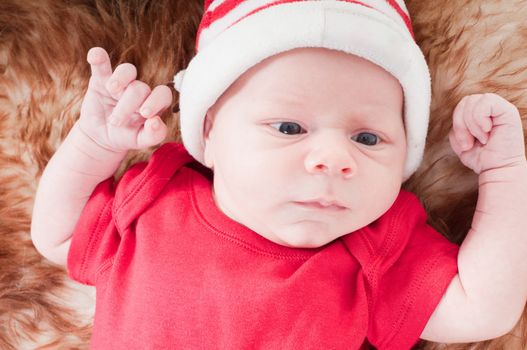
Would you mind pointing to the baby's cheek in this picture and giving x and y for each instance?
(242, 177)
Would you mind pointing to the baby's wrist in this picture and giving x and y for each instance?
(514, 172)
(81, 154)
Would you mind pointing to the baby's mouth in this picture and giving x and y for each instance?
(322, 204)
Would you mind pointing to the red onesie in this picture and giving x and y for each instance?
(173, 272)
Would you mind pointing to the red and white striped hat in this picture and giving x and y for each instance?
(235, 35)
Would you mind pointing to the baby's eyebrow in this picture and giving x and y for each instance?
(291, 99)
(372, 112)
(381, 118)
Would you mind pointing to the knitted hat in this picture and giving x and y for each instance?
(235, 35)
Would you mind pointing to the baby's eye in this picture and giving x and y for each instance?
(366, 138)
(288, 128)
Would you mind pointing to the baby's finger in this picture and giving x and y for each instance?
(482, 119)
(454, 143)
(122, 76)
(132, 98)
(159, 100)
(502, 111)
(475, 113)
(459, 128)
(152, 133)
(100, 65)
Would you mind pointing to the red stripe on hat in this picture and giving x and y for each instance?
(279, 2)
(207, 4)
(228, 5)
(219, 12)
(404, 16)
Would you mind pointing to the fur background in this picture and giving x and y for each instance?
(472, 46)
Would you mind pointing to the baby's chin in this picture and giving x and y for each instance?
(300, 237)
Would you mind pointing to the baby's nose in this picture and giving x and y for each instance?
(330, 162)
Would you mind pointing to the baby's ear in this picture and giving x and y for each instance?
(207, 125)
(207, 141)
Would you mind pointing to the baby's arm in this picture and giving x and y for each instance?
(487, 297)
(109, 126)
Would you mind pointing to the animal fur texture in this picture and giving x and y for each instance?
(471, 46)
(43, 76)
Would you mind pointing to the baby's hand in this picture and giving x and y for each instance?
(119, 112)
(487, 133)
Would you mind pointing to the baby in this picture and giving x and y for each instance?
(310, 115)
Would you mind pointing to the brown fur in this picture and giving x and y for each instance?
(43, 75)
(471, 46)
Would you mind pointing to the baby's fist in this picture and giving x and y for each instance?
(487, 133)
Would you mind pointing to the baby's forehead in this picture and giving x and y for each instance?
(314, 83)
(300, 68)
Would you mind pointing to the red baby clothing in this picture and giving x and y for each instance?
(172, 271)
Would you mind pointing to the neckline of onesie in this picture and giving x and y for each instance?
(216, 221)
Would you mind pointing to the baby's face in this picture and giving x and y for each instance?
(307, 146)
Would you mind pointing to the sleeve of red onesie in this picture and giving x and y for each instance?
(411, 279)
(112, 207)
(95, 238)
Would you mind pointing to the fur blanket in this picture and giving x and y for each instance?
(471, 46)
